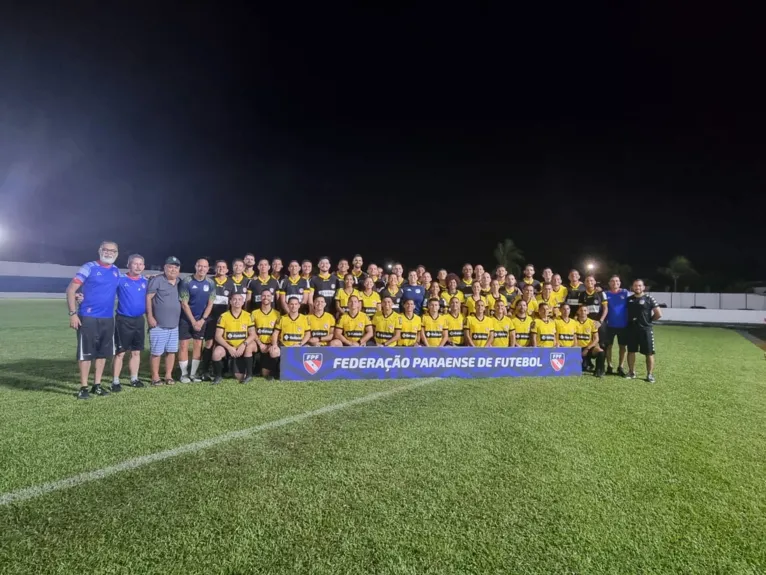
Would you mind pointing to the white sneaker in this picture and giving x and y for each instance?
(196, 379)
(185, 379)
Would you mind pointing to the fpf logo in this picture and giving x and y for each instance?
(557, 361)
(312, 362)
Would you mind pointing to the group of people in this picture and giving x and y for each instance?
(239, 321)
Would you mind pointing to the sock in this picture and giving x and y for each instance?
(194, 367)
(249, 366)
(207, 356)
(600, 361)
(218, 368)
(116, 380)
(183, 365)
(133, 377)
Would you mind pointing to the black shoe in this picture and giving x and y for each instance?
(248, 379)
(98, 390)
(116, 387)
(621, 372)
(216, 381)
(269, 378)
(137, 383)
(631, 375)
(609, 370)
(83, 393)
(599, 373)
(207, 377)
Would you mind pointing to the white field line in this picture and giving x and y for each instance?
(75, 480)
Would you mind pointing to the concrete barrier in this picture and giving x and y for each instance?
(714, 316)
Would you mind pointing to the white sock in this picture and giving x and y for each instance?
(116, 380)
(183, 365)
(195, 365)
(133, 377)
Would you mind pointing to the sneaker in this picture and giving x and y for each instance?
(248, 379)
(185, 379)
(116, 387)
(170, 381)
(269, 378)
(83, 394)
(98, 390)
(609, 370)
(650, 378)
(631, 375)
(621, 372)
(157, 383)
(136, 383)
(196, 379)
(216, 381)
(207, 377)
(599, 373)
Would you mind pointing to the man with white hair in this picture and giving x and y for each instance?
(163, 308)
(94, 321)
(129, 328)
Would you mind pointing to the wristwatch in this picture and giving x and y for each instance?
(71, 313)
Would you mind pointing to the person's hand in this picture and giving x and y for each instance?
(152, 322)
(354, 344)
(233, 351)
(74, 321)
(198, 325)
(78, 297)
(314, 341)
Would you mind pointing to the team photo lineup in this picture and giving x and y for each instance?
(238, 320)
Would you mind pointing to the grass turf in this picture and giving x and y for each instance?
(568, 475)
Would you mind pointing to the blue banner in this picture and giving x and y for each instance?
(320, 363)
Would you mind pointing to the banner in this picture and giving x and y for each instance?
(321, 363)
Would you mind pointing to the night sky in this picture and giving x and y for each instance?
(424, 135)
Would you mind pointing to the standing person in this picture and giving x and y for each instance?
(616, 322)
(547, 276)
(452, 290)
(238, 277)
(435, 292)
(586, 336)
(293, 287)
(249, 261)
(598, 308)
(94, 321)
(510, 289)
(643, 310)
(393, 291)
(529, 278)
(224, 287)
(340, 273)
(163, 308)
(469, 307)
(465, 283)
(356, 270)
(413, 291)
(495, 296)
(234, 334)
(129, 325)
(559, 291)
(377, 280)
(261, 283)
(398, 270)
(441, 277)
(344, 294)
(324, 284)
(370, 298)
(197, 295)
(276, 271)
(574, 289)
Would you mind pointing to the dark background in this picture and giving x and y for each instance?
(421, 134)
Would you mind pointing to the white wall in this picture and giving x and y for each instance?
(733, 301)
(723, 316)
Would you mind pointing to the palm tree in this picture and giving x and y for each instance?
(509, 255)
(678, 267)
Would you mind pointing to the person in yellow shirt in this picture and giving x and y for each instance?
(559, 291)
(505, 335)
(369, 297)
(411, 325)
(545, 327)
(565, 327)
(494, 296)
(479, 330)
(454, 321)
(321, 324)
(469, 306)
(354, 328)
(485, 280)
(452, 290)
(523, 325)
(434, 333)
(546, 297)
(343, 294)
(292, 329)
(233, 335)
(528, 296)
(586, 336)
(265, 319)
(387, 324)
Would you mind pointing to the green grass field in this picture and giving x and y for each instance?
(559, 475)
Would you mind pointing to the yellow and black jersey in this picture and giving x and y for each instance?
(385, 326)
(447, 297)
(258, 285)
(235, 328)
(546, 332)
(342, 297)
(503, 329)
(249, 274)
(353, 327)
(566, 332)
(240, 284)
(470, 304)
(479, 330)
(585, 331)
(510, 294)
(531, 306)
(530, 282)
(224, 287)
(560, 296)
(396, 297)
(370, 303)
(492, 300)
(321, 326)
(294, 288)
(410, 329)
(523, 328)
(326, 286)
(553, 306)
(359, 278)
(465, 286)
(292, 330)
(265, 324)
(454, 327)
(433, 329)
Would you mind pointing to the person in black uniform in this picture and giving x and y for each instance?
(259, 284)
(574, 288)
(224, 288)
(643, 311)
(324, 283)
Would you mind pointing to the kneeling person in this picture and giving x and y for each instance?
(354, 328)
(586, 334)
(321, 323)
(292, 329)
(233, 335)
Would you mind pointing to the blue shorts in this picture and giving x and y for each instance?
(163, 340)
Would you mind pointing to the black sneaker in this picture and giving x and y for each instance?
(136, 383)
(207, 377)
(609, 370)
(631, 375)
(248, 379)
(98, 390)
(83, 394)
(216, 381)
(650, 378)
(621, 372)
(116, 387)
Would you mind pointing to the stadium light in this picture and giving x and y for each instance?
(590, 266)
(389, 266)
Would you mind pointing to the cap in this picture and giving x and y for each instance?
(173, 260)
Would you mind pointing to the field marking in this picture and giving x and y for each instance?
(75, 480)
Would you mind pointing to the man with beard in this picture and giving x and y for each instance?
(356, 270)
(263, 282)
(324, 284)
(276, 270)
(249, 261)
(197, 293)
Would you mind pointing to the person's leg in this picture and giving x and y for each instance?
(219, 354)
(84, 373)
(196, 357)
(134, 365)
(170, 357)
(157, 344)
(117, 367)
(183, 359)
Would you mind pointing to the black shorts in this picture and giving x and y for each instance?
(95, 338)
(212, 322)
(270, 364)
(129, 333)
(614, 332)
(234, 364)
(186, 331)
(641, 340)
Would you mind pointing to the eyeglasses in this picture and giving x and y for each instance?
(108, 251)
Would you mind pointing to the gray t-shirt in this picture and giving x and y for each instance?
(166, 305)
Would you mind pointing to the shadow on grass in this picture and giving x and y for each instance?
(49, 375)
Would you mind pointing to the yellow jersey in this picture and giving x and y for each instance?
(410, 329)
(560, 296)
(370, 303)
(433, 329)
(531, 306)
(291, 331)
(584, 332)
(491, 300)
(447, 297)
(454, 327)
(265, 324)
(479, 329)
(553, 305)
(546, 332)
(503, 329)
(341, 297)
(235, 328)
(566, 331)
(523, 328)
(385, 326)
(321, 326)
(470, 304)
(353, 327)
